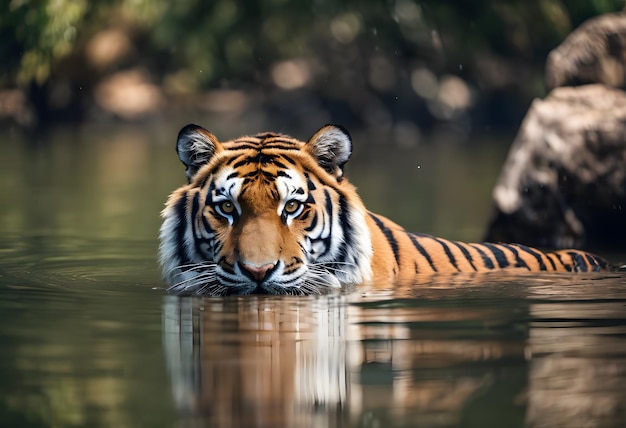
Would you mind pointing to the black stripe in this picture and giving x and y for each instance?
(414, 239)
(550, 257)
(313, 223)
(537, 255)
(268, 175)
(498, 254)
(344, 220)
(390, 238)
(446, 249)
(348, 233)
(227, 267)
(258, 158)
(289, 159)
(518, 260)
(241, 163)
(579, 261)
(217, 247)
(199, 221)
(594, 262)
(195, 207)
(319, 216)
(329, 206)
(551, 261)
(181, 215)
(279, 164)
(486, 260)
(278, 146)
(283, 139)
(243, 146)
(329, 211)
(293, 266)
(566, 266)
(466, 253)
(204, 180)
(309, 183)
(208, 200)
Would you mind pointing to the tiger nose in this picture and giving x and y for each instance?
(258, 272)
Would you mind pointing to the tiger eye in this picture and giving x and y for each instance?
(227, 207)
(292, 206)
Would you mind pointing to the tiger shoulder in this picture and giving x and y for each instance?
(268, 213)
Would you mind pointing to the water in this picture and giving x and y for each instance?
(89, 338)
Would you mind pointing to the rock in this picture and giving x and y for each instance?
(593, 53)
(564, 181)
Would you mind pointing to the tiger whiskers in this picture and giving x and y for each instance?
(200, 278)
(333, 270)
(321, 278)
(214, 288)
(190, 267)
(195, 283)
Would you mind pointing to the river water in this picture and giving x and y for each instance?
(88, 336)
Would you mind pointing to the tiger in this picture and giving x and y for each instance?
(271, 214)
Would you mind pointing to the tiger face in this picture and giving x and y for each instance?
(264, 214)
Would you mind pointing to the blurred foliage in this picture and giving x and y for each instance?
(355, 52)
(34, 35)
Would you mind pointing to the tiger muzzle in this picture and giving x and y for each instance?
(258, 273)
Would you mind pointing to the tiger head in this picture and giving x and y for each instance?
(264, 214)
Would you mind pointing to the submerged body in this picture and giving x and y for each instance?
(272, 214)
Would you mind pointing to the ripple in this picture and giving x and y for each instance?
(68, 261)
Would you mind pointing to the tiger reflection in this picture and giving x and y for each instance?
(263, 361)
(256, 361)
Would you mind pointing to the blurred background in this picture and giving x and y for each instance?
(404, 64)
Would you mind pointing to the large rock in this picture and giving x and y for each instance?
(593, 53)
(564, 181)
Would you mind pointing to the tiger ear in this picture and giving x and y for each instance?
(332, 147)
(195, 147)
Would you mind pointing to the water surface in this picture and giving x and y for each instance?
(89, 338)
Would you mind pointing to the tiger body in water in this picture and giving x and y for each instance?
(272, 214)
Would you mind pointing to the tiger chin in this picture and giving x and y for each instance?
(271, 214)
